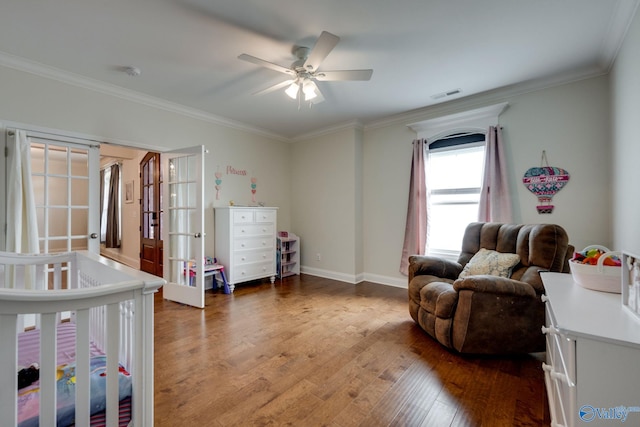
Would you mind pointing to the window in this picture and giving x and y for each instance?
(105, 191)
(454, 170)
(454, 178)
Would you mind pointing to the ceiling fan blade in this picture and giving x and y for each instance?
(325, 44)
(266, 64)
(274, 87)
(327, 76)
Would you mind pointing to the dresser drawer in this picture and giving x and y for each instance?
(265, 216)
(241, 244)
(250, 271)
(561, 350)
(243, 217)
(249, 230)
(561, 398)
(560, 372)
(245, 257)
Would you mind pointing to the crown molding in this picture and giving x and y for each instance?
(618, 28)
(480, 99)
(42, 70)
(352, 124)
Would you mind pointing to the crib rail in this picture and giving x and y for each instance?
(112, 306)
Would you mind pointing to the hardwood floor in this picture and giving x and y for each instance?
(308, 351)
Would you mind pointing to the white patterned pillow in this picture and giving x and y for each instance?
(490, 262)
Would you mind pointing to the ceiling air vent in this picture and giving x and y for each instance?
(446, 94)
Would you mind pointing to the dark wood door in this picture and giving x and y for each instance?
(151, 215)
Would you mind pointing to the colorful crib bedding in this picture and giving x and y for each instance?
(28, 397)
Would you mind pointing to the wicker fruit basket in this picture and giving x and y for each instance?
(599, 277)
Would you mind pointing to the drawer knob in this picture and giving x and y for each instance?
(550, 330)
(243, 259)
(544, 298)
(560, 377)
(556, 375)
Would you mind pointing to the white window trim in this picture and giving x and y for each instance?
(477, 120)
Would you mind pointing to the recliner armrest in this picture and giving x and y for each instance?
(434, 266)
(495, 285)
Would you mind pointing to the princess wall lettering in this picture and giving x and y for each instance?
(233, 171)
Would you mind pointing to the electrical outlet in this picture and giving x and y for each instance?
(318, 257)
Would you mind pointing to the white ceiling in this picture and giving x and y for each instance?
(187, 50)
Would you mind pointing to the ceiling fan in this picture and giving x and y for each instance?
(304, 71)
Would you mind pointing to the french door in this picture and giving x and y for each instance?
(151, 245)
(183, 227)
(66, 190)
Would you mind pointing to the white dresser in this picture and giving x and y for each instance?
(592, 369)
(245, 242)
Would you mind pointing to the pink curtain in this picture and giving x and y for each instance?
(415, 233)
(495, 202)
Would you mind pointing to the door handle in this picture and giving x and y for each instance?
(94, 235)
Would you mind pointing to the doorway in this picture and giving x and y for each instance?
(151, 246)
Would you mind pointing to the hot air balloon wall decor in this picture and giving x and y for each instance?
(545, 182)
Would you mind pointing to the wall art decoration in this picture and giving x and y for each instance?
(128, 192)
(218, 183)
(254, 181)
(545, 182)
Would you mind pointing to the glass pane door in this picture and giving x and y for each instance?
(183, 236)
(66, 187)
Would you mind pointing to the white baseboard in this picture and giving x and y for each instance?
(114, 255)
(342, 277)
(386, 280)
(353, 279)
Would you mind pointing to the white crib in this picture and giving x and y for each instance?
(112, 308)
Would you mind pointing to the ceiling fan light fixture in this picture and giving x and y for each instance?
(304, 71)
(309, 91)
(292, 91)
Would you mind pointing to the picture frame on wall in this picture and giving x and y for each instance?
(631, 283)
(128, 192)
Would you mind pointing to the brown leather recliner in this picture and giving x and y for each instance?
(485, 314)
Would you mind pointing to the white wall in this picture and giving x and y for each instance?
(387, 166)
(326, 199)
(38, 101)
(570, 122)
(344, 192)
(625, 111)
